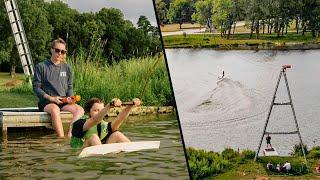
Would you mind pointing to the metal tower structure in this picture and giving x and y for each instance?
(282, 73)
(20, 37)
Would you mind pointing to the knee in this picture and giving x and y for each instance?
(94, 140)
(80, 110)
(94, 137)
(117, 134)
(53, 109)
(119, 137)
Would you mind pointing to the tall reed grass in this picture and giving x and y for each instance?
(124, 80)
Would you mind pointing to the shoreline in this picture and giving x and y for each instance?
(143, 110)
(255, 46)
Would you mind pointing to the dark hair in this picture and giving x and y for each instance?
(90, 103)
(59, 40)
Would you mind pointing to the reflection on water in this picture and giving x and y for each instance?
(231, 112)
(39, 155)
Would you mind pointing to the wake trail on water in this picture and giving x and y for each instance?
(230, 102)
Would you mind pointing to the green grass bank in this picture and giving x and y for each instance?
(243, 41)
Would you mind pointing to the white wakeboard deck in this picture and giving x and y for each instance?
(118, 147)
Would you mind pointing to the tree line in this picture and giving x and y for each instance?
(105, 31)
(263, 16)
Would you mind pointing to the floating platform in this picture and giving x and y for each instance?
(270, 152)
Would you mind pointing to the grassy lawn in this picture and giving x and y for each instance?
(176, 27)
(10, 99)
(6, 80)
(14, 100)
(214, 41)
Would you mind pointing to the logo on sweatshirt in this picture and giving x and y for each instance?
(63, 74)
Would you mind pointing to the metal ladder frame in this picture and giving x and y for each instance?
(282, 72)
(20, 37)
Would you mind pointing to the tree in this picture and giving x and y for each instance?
(61, 17)
(313, 16)
(221, 14)
(254, 15)
(37, 29)
(144, 24)
(203, 12)
(6, 38)
(102, 36)
(161, 11)
(180, 11)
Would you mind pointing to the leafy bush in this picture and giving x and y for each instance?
(204, 164)
(229, 154)
(247, 155)
(314, 153)
(297, 150)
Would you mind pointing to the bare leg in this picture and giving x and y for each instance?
(76, 110)
(117, 137)
(54, 112)
(92, 141)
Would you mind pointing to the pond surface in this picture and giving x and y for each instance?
(216, 114)
(40, 155)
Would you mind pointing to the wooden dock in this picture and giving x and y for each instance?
(27, 117)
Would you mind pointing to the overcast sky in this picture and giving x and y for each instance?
(132, 9)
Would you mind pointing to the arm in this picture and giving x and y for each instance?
(37, 82)
(124, 114)
(99, 117)
(70, 82)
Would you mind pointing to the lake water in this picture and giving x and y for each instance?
(232, 112)
(40, 155)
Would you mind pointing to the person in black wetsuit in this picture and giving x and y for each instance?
(268, 138)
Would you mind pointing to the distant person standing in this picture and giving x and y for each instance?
(222, 74)
(51, 82)
(268, 139)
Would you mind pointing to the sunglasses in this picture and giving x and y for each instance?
(59, 51)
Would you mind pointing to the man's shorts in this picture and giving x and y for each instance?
(43, 104)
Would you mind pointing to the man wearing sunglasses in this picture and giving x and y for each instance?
(51, 82)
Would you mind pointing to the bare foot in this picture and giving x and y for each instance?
(69, 133)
